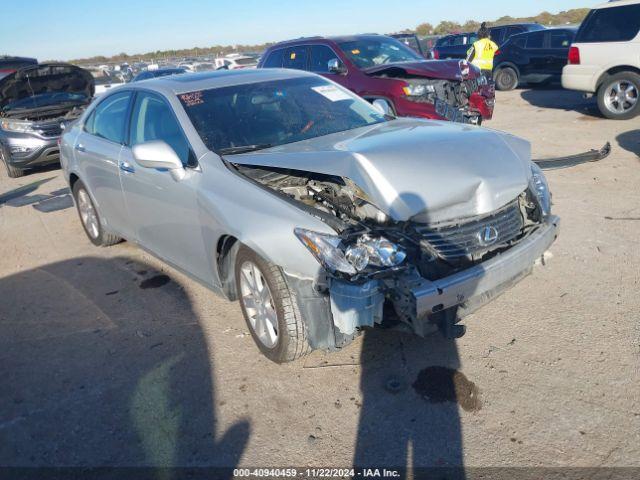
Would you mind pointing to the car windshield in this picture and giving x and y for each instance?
(371, 52)
(274, 113)
(46, 100)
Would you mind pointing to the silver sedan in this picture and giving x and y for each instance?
(321, 214)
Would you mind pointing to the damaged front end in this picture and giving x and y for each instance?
(467, 97)
(417, 275)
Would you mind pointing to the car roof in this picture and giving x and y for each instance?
(336, 39)
(191, 82)
(616, 3)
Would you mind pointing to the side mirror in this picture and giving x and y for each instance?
(383, 107)
(336, 66)
(158, 154)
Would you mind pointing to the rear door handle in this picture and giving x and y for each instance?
(80, 148)
(126, 167)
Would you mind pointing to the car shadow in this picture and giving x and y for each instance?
(23, 196)
(559, 99)
(105, 364)
(630, 141)
(413, 393)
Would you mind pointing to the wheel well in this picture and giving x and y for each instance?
(73, 178)
(616, 70)
(510, 65)
(393, 107)
(226, 251)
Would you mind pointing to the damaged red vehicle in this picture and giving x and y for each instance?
(389, 74)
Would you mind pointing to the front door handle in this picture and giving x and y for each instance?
(126, 167)
(80, 147)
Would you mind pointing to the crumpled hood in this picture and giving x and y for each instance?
(424, 171)
(45, 78)
(435, 69)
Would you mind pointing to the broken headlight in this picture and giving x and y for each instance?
(418, 89)
(19, 126)
(540, 189)
(367, 251)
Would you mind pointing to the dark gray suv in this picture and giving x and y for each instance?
(34, 103)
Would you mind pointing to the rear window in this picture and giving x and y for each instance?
(615, 24)
(536, 40)
(296, 58)
(561, 39)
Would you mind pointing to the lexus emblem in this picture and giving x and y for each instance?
(488, 236)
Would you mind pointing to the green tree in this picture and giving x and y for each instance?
(424, 29)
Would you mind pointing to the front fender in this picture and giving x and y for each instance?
(230, 204)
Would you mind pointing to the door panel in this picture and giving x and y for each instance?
(97, 149)
(163, 210)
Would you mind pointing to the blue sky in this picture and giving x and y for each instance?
(64, 29)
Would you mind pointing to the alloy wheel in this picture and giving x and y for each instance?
(258, 304)
(621, 97)
(88, 214)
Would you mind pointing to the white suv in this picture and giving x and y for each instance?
(605, 59)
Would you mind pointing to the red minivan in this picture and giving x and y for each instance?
(383, 70)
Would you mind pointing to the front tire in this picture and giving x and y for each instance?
(12, 172)
(270, 308)
(90, 218)
(618, 96)
(506, 79)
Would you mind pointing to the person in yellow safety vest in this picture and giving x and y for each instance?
(482, 53)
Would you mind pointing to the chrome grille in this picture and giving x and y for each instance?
(466, 239)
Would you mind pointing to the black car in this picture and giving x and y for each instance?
(457, 46)
(161, 72)
(535, 57)
(34, 103)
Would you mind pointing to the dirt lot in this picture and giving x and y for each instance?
(107, 357)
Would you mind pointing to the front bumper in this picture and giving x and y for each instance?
(421, 303)
(480, 107)
(23, 151)
(473, 288)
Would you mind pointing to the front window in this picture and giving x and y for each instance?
(275, 113)
(371, 52)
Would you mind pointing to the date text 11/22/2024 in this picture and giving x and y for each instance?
(312, 473)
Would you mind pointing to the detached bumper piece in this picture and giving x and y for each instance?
(574, 160)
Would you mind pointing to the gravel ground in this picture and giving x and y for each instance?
(110, 358)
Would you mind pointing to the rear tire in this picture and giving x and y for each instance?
(618, 96)
(506, 79)
(90, 218)
(12, 172)
(270, 308)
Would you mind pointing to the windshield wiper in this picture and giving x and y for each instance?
(244, 149)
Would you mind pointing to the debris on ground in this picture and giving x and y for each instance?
(574, 160)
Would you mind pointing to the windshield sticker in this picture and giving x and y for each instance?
(192, 99)
(293, 56)
(355, 52)
(332, 93)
